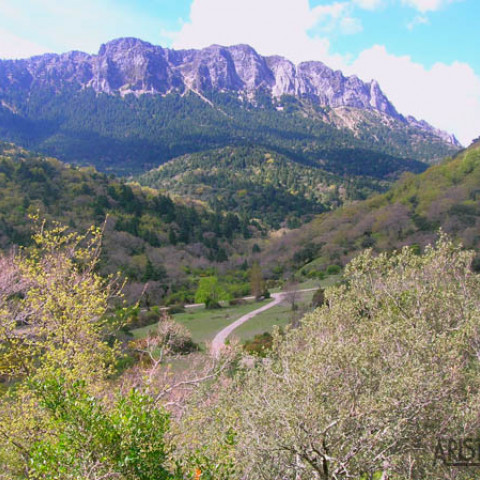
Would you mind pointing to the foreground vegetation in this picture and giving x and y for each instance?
(362, 387)
(367, 384)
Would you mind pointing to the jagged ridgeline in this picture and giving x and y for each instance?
(148, 236)
(135, 106)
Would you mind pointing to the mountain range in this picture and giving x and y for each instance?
(134, 106)
(130, 65)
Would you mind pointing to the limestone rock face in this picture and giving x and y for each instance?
(132, 66)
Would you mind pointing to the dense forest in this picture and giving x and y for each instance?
(149, 237)
(135, 134)
(260, 183)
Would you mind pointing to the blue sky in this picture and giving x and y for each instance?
(424, 53)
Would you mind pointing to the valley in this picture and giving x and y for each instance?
(221, 265)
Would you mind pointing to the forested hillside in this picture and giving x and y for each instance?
(134, 106)
(259, 183)
(148, 236)
(135, 134)
(446, 196)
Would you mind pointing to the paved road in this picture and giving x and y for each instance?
(219, 341)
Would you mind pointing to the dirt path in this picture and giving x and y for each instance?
(219, 341)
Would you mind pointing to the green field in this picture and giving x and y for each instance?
(205, 324)
(280, 315)
(311, 283)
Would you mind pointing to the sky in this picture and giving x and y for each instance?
(424, 53)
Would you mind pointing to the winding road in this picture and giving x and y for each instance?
(219, 341)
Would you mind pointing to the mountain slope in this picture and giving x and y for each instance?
(445, 196)
(263, 183)
(148, 237)
(134, 106)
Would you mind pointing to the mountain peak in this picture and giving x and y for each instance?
(122, 43)
(132, 66)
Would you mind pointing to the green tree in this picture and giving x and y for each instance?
(257, 283)
(62, 309)
(60, 418)
(210, 292)
(91, 439)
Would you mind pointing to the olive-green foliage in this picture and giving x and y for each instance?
(58, 322)
(210, 292)
(368, 382)
(259, 345)
(57, 326)
(261, 182)
(318, 299)
(58, 418)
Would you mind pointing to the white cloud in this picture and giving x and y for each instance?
(336, 17)
(271, 26)
(369, 4)
(426, 5)
(447, 96)
(12, 46)
(350, 26)
(334, 11)
(77, 24)
(418, 20)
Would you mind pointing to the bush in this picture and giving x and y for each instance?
(123, 438)
(145, 318)
(174, 337)
(237, 301)
(259, 345)
(211, 304)
(333, 269)
(391, 367)
(318, 298)
(475, 266)
(176, 308)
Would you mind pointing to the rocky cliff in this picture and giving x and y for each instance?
(130, 65)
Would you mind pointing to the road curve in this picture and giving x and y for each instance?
(219, 341)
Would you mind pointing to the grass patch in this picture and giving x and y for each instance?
(281, 315)
(205, 324)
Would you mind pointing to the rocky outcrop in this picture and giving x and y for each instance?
(130, 65)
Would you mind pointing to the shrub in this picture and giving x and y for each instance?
(318, 298)
(211, 304)
(333, 269)
(259, 345)
(174, 337)
(391, 366)
(236, 301)
(176, 308)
